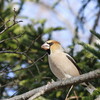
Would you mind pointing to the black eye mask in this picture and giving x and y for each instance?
(50, 44)
(48, 51)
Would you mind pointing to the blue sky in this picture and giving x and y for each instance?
(60, 16)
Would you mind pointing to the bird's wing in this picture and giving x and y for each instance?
(73, 61)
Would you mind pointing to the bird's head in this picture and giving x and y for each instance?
(52, 46)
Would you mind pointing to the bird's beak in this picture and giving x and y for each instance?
(45, 46)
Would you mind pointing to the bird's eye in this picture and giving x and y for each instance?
(50, 43)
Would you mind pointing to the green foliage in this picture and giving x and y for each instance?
(90, 56)
(41, 98)
(49, 30)
(91, 49)
(23, 70)
(94, 50)
(96, 34)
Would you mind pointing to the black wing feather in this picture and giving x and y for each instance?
(73, 61)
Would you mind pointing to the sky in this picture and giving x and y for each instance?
(60, 16)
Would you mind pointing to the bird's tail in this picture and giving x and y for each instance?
(89, 87)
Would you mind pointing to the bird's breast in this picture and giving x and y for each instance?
(61, 66)
(56, 66)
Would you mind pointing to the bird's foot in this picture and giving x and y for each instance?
(52, 81)
(61, 79)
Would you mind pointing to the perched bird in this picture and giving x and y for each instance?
(62, 65)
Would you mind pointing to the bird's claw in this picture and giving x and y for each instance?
(52, 81)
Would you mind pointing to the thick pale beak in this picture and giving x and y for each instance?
(45, 46)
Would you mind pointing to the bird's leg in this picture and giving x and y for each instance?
(69, 92)
(63, 79)
(52, 81)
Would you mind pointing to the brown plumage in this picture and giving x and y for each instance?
(61, 64)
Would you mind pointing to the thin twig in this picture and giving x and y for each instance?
(73, 98)
(11, 38)
(32, 43)
(69, 92)
(94, 26)
(6, 28)
(76, 95)
(26, 67)
(14, 23)
(22, 53)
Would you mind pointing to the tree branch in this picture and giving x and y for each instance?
(6, 28)
(32, 94)
(22, 53)
(14, 23)
(94, 26)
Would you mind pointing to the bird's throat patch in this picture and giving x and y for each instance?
(48, 51)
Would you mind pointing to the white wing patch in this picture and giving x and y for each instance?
(68, 76)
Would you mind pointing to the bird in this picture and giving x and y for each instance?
(62, 65)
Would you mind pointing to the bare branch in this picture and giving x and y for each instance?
(14, 23)
(32, 44)
(6, 28)
(34, 63)
(94, 26)
(69, 92)
(32, 94)
(18, 36)
(12, 52)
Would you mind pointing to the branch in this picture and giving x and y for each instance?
(94, 26)
(6, 28)
(18, 36)
(32, 94)
(14, 23)
(22, 53)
